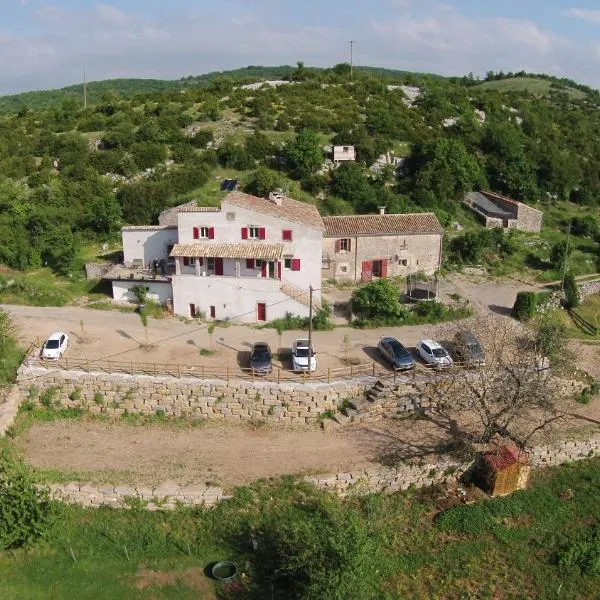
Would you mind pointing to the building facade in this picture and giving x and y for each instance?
(495, 210)
(250, 260)
(365, 247)
(343, 154)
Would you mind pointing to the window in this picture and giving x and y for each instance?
(230, 216)
(249, 263)
(287, 263)
(346, 148)
(253, 233)
(170, 258)
(192, 260)
(343, 268)
(403, 262)
(203, 233)
(343, 245)
(186, 261)
(286, 235)
(210, 264)
(258, 263)
(295, 264)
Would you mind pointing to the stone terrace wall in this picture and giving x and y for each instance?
(9, 408)
(380, 479)
(113, 394)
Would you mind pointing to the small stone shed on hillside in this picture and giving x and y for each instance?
(365, 247)
(496, 210)
(504, 470)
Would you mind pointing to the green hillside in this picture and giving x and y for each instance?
(537, 87)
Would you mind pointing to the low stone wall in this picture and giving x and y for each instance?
(116, 393)
(360, 482)
(97, 270)
(9, 409)
(165, 497)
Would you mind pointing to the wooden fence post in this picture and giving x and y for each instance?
(155, 370)
(351, 370)
(131, 368)
(373, 368)
(203, 372)
(328, 374)
(278, 375)
(178, 371)
(227, 373)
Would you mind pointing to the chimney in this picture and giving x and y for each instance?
(276, 197)
(381, 210)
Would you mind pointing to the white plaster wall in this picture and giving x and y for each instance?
(147, 244)
(159, 291)
(232, 298)
(306, 242)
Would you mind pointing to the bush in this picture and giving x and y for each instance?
(524, 306)
(582, 555)
(571, 290)
(25, 511)
(377, 300)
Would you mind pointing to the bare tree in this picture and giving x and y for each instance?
(514, 393)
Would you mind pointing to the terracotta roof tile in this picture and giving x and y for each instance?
(191, 208)
(290, 209)
(257, 250)
(382, 224)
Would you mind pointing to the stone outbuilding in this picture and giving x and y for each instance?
(365, 247)
(496, 210)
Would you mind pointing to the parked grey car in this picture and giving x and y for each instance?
(468, 350)
(260, 358)
(395, 353)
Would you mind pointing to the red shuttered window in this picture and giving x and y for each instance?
(196, 233)
(262, 233)
(244, 233)
(295, 264)
(211, 233)
(286, 235)
(249, 263)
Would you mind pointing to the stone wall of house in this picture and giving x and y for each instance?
(529, 219)
(115, 393)
(442, 470)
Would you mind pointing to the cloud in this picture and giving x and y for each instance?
(425, 36)
(587, 14)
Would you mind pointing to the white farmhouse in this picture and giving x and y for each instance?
(343, 154)
(250, 260)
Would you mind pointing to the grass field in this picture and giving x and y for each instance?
(537, 87)
(534, 544)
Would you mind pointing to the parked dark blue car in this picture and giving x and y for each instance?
(396, 354)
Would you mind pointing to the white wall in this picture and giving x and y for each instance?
(146, 244)
(306, 242)
(158, 291)
(232, 298)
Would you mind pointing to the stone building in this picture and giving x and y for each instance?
(496, 210)
(363, 247)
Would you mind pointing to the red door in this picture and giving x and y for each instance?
(367, 271)
(192, 310)
(263, 269)
(218, 266)
(213, 312)
(261, 311)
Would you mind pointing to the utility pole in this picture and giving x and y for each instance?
(562, 285)
(351, 42)
(84, 90)
(310, 326)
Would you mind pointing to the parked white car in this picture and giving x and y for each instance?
(54, 347)
(434, 353)
(300, 356)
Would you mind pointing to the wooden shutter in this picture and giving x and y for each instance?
(186, 261)
(249, 263)
(349, 242)
(211, 233)
(286, 235)
(196, 232)
(279, 270)
(244, 233)
(262, 233)
(263, 269)
(295, 264)
(384, 267)
(201, 261)
(218, 266)
(338, 246)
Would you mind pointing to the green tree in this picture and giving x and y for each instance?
(376, 300)
(571, 291)
(263, 182)
(559, 254)
(524, 306)
(304, 154)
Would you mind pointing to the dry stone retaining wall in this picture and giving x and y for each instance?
(116, 393)
(9, 409)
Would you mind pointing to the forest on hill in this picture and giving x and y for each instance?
(70, 174)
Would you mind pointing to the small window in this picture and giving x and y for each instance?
(345, 245)
(259, 263)
(287, 263)
(230, 216)
(210, 264)
(253, 233)
(204, 233)
(286, 235)
(192, 261)
(346, 148)
(403, 262)
(344, 269)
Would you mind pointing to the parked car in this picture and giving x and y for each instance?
(300, 356)
(468, 350)
(434, 353)
(394, 352)
(54, 347)
(260, 358)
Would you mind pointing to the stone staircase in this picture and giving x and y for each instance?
(299, 295)
(385, 399)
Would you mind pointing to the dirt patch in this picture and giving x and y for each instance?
(192, 578)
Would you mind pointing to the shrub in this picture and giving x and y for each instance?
(571, 290)
(379, 299)
(48, 397)
(524, 306)
(582, 555)
(25, 510)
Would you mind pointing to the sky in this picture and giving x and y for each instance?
(48, 43)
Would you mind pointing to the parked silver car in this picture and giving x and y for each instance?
(395, 353)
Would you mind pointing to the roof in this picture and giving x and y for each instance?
(516, 203)
(481, 201)
(289, 210)
(505, 457)
(255, 250)
(196, 208)
(411, 223)
(147, 227)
